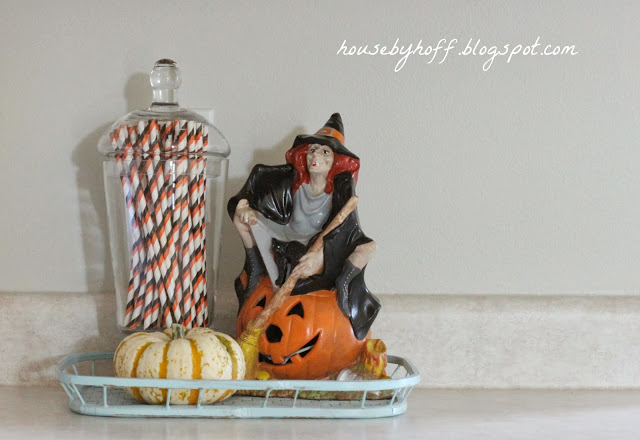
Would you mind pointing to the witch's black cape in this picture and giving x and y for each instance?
(269, 191)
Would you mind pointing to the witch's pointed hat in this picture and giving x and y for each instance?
(331, 135)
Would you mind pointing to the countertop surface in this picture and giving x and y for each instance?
(43, 412)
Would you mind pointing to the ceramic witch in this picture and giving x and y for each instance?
(305, 310)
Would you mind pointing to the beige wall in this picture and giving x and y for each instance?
(521, 179)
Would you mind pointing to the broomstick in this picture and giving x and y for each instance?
(248, 340)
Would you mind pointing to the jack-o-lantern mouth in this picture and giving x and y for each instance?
(287, 360)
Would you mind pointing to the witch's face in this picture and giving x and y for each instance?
(319, 159)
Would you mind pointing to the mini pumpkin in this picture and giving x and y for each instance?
(199, 353)
(308, 337)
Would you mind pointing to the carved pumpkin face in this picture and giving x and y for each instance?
(307, 338)
(256, 302)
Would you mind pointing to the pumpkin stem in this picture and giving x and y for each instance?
(178, 331)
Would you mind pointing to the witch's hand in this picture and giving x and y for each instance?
(244, 214)
(243, 217)
(311, 263)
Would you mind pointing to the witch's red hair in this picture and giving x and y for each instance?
(341, 162)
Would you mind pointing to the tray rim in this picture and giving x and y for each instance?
(411, 379)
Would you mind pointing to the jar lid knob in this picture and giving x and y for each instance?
(165, 78)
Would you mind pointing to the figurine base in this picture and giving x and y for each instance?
(319, 395)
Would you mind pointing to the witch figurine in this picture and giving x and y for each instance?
(287, 217)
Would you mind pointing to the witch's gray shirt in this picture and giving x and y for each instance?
(307, 218)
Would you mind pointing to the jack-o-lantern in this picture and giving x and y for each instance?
(253, 305)
(308, 337)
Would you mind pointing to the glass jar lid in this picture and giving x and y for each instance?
(165, 129)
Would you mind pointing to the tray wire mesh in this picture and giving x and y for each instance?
(92, 390)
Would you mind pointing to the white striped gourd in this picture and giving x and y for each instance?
(176, 353)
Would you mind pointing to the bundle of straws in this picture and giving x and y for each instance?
(161, 168)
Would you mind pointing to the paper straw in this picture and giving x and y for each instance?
(130, 154)
(140, 183)
(154, 191)
(163, 215)
(202, 190)
(154, 279)
(180, 143)
(137, 252)
(186, 242)
(142, 204)
(163, 225)
(161, 171)
(197, 212)
(195, 139)
(172, 306)
(145, 178)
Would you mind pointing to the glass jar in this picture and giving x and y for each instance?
(165, 171)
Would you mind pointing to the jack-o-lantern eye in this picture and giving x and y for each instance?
(274, 334)
(297, 309)
(262, 302)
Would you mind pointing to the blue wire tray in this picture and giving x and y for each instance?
(96, 395)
